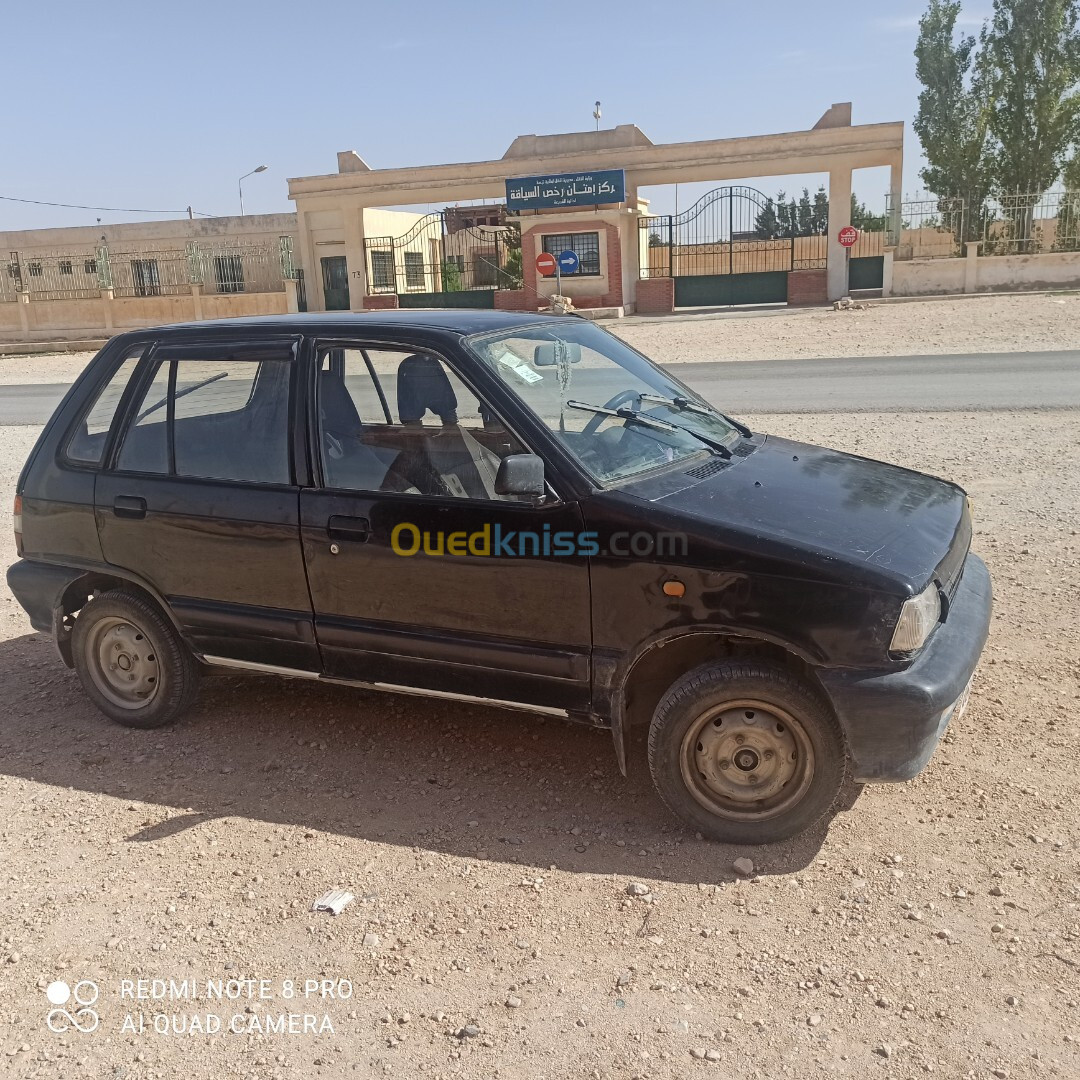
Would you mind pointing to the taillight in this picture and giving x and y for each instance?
(18, 526)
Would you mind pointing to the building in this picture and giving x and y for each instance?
(85, 283)
(580, 192)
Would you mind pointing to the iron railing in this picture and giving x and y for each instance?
(1032, 224)
(224, 267)
(929, 228)
(1017, 224)
(51, 276)
(438, 254)
(734, 230)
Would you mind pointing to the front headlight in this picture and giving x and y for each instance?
(918, 617)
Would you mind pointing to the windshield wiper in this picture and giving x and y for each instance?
(179, 394)
(686, 405)
(632, 416)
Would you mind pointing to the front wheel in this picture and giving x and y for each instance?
(746, 752)
(131, 662)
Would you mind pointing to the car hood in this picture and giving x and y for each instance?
(879, 520)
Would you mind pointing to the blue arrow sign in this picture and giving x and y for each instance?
(568, 261)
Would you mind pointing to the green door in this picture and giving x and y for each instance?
(718, 290)
(866, 273)
(335, 280)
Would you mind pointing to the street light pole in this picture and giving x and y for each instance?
(240, 184)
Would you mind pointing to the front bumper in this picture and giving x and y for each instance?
(894, 720)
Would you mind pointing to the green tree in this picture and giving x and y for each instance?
(806, 214)
(819, 218)
(1068, 223)
(511, 276)
(863, 220)
(451, 276)
(1032, 55)
(954, 115)
(767, 224)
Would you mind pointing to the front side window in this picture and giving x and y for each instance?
(392, 420)
(220, 417)
(585, 245)
(87, 442)
(614, 411)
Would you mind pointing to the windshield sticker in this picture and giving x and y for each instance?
(519, 367)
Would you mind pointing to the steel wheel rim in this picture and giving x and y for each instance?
(747, 760)
(123, 663)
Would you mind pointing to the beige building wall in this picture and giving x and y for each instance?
(65, 302)
(985, 273)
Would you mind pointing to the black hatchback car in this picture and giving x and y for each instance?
(509, 509)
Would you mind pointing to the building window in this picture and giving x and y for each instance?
(35, 269)
(145, 278)
(229, 273)
(585, 245)
(414, 269)
(382, 269)
(64, 266)
(90, 266)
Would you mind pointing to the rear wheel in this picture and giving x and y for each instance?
(746, 752)
(131, 662)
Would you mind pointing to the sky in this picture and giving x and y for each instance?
(161, 106)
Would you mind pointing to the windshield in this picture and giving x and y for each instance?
(615, 411)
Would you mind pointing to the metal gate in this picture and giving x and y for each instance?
(441, 262)
(724, 250)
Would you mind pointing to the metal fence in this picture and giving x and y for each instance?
(51, 276)
(929, 228)
(220, 268)
(1032, 224)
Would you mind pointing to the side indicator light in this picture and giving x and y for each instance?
(18, 525)
(674, 588)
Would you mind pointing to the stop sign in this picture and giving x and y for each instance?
(546, 263)
(848, 235)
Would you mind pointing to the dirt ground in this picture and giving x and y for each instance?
(931, 927)
(978, 324)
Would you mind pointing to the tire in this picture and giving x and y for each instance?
(154, 678)
(746, 752)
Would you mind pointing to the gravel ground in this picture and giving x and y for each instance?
(978, 324)
(931, 927)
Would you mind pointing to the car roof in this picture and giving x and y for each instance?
(454, 320)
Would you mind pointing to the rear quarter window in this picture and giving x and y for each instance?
(86, 446)
(224, 417)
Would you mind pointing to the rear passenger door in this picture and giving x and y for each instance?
(200, 499)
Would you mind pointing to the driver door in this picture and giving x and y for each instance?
(410, 585)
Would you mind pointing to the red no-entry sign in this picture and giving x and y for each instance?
(546, 263)
(848, 235)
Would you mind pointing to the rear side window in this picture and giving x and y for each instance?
(220, 417)
(87, 443)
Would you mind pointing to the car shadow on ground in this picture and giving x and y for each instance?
(464, 780)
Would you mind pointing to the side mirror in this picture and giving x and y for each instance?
(520, 474)
(544, 354)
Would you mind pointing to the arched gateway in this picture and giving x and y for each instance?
(581, 191)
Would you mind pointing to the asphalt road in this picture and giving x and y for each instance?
(968, 383)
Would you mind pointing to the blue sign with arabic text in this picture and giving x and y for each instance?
(573, 189)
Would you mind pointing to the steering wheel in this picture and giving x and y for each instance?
(620, 398)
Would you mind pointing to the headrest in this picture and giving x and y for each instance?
(336, 406)
(422, 384)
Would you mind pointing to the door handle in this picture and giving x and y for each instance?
(341, 527)
(129, 506)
